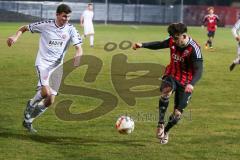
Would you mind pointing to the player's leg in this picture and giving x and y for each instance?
(38, 96)
(207, 43)
(91, 39)
(32, 103)
(46, 76)
(173, 120)
(237, 60)
(38, 109)
(42, 107)
(210, 38)
(212, 33)
(91, 34)
(48, 91)
(210, 42)
(181, 100)
(166, 89)
(89, 31)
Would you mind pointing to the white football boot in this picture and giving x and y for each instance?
(164, 140)
(160, 131)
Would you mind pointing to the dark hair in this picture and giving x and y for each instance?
(90, 4)
(177, 29)
(63, 8)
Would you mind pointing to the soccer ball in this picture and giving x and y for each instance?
(125, 125)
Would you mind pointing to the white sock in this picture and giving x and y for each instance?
(237, 60)
(39, 109)
(91, 40)
(37, 98)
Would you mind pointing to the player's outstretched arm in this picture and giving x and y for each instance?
(152, 45)
(12, 39)
(136, 46)
(77, 57)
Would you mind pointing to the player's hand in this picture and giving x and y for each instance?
(136, 46)
(81, 24)
(11, 40)
(238, 38)
(76, 61)
(189, 88)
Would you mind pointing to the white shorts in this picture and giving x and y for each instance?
(88, 29)
(50, 76)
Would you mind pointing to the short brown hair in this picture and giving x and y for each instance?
(90, 4)
(210, 8)
(177, 29)
(63, 8)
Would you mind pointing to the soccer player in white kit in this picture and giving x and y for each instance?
(236, 34)
(55, 37)
(86, 21)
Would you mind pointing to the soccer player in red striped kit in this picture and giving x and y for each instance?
(184, 70)
(210, 20)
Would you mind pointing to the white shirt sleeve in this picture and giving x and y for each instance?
(37, 27)
(236, 29)
(75, 37)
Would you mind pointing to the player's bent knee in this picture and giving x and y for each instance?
(49, 100)
(166, 94)
(45, 91)
(164, 99)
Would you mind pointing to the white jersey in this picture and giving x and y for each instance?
(88, 22)
(236, 29)
(54, 41)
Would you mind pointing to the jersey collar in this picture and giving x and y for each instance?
(189, 40)
(58, 26)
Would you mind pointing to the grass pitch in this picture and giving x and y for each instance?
(209, 129)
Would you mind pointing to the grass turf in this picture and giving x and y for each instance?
(209, 130)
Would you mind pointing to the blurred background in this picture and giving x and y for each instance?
(190, 12)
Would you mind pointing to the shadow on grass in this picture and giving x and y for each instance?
(65, 140)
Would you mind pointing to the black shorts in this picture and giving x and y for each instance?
(181, 98)
(211, 33)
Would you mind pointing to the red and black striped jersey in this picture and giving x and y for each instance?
(211, 21)
(182, 60)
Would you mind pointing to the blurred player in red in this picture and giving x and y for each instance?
(210, 20)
